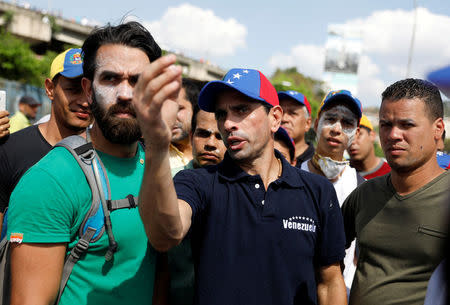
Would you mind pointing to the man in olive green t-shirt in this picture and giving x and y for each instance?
(398, 219)
(52, 198)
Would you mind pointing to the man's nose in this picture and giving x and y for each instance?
(124, 91)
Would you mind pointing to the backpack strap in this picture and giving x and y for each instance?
(127, 203)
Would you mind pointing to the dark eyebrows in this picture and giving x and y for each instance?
(407, 121)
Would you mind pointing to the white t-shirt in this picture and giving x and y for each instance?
(343, 187)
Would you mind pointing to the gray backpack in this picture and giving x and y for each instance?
(96, 221)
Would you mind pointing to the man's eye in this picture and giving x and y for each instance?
(218, 136)
(109, 78)
(202, 133)
(242, 109)
(134, 80)
(219, 115)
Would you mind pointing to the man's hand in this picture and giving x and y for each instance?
(4, 123)
(155, 102)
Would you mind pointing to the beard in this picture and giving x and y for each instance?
(116, 130)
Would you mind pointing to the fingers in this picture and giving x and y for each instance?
(4, 120)
(160, 81)
(3, 114)
(4, 127)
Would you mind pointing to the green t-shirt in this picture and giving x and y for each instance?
(48, 206)
(401, 239)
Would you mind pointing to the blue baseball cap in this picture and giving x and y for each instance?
(249, 82)
(296, 96)
(69, 64)
(342, 96)
(283, 135)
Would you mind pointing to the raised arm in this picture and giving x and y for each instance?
(166, 219)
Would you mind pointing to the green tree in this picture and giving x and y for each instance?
(18, 62)
(310, 87)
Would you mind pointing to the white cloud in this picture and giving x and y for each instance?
(386, 41)
(193, 30)
(308, 59)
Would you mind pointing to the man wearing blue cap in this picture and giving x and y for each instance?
(263, 231)
(70, 115)
(297, 122)
(336, 126)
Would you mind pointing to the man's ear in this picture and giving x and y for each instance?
(86, 84)
(49, 88)
(372, 136)
(316, 123)
(438, 129)
(276, 113)
(308, 122)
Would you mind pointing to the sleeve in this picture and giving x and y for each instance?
(349, 214)
(5, 180)
(191, 188)
(332, 242)
(41, 210)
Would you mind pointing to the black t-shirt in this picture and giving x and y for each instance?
(17, 154)
(305, 156)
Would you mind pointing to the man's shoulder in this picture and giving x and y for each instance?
(57, 163)
(26, 138)
(198, 173)
(24, 148)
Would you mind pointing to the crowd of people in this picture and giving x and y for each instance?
(213, 194)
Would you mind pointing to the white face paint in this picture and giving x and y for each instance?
(338, 118)
(117, 70)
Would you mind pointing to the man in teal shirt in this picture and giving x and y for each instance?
(53, 197)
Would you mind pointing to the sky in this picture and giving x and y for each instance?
(268, 34)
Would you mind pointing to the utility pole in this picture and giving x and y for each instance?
(411, 46)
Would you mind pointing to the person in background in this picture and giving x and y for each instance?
(400, 219)
(70, 115)
(28, 108)
(297, 122)
(362, 152)
(207, 149)
(285, 145)
(336, 126)
(207, 145)
(181, 148)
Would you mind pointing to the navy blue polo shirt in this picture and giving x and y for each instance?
(253, 246)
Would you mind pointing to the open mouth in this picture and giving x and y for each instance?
(235, 143)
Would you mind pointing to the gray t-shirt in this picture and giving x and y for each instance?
(401, 239)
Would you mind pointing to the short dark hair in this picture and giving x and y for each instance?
(131, 34)
(192, 88)
(416, 88)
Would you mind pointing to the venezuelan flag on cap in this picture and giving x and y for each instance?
(249, 82)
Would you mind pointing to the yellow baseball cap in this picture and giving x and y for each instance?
(365, 122)
(69, 64)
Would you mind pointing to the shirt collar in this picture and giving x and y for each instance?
(230, 171)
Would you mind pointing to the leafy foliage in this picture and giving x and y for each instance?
(19, 62)
(310, 87)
